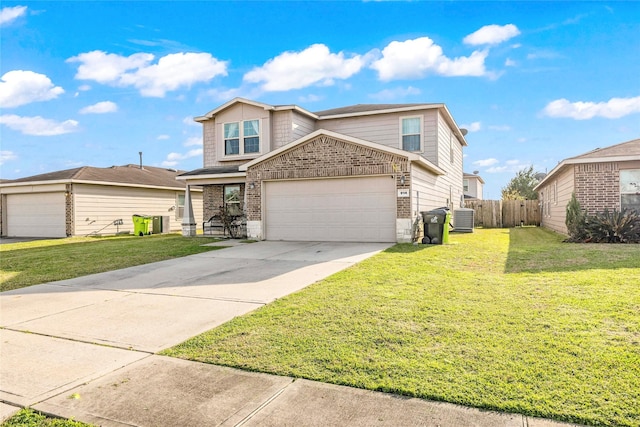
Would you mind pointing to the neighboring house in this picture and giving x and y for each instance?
(605, 178)
(472, 185)
(360, 173)
(90, 201)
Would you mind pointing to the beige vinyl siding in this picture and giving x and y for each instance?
(289, 126)
(97, 206)
(426, 193)
(449, 184)
(237, 113)
(302, 125)
(554, 198)
(385, 129)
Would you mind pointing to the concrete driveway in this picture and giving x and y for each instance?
(63, 334)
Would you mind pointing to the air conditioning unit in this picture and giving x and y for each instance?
(463, 220)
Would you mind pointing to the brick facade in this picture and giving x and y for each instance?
(213, 199)
(326, 157)
(597, 186)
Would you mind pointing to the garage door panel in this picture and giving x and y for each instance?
(36, 215)
(342, 209)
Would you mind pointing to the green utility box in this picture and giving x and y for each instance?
(436, 226)
(142, 224)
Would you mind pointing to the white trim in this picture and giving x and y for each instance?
(421, 133)
(386, 111)
(241, 137)
(104, 183)
(413, 157)
(211, 176)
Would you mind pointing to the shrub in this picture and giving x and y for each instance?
(613, 227)
(575, 221)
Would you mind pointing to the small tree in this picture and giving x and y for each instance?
(521, 186)
(575, 220)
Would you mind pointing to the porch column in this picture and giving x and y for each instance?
(188, 221)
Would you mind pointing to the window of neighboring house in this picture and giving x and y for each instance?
(247, 131)
(232, 199)
(179, 206)
(630, 189)
(411, 133)
(465, 184)
(555, 192)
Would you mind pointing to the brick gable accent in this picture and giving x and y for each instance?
(597, 186)
(326, 157)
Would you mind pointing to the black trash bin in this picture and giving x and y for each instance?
(436, 226)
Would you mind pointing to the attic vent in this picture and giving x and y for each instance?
(463, 220)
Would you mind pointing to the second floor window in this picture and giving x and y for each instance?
(411, 133)
(465, 184)
(242, 137)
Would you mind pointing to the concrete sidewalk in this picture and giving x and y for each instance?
(84, 348)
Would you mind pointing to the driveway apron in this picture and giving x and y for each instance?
(62, 334)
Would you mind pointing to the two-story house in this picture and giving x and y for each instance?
(359, 173)
(472, 185)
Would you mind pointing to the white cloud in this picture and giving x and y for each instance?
(19, 87)
(472, 127)
(510, 63)
(399, 92)
(8, 14)
(296, 70)
(415, 58)
(310, 98)
(100, 108)
(492, 34)
(174, 158)
(37, 125)
(6, 156)
(485, 162)
(171, 72)
(190, 122)
(612, 109)
(163, 137)
(511, 166)
(194, 140)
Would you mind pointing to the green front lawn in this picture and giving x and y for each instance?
(31, 418)
(511, 320)
(31, 263)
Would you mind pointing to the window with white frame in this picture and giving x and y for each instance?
(179, 206)
(465, 184)
(232, 199)
(411, 133)
(242, 138)
(630, 189)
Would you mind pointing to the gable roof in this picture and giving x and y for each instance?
(623, 152)
(357, 109)
(412, 157)
(472, 175)
(130, 175)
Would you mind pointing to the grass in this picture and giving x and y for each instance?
(31, 418)
(30, 263)
(509, 320)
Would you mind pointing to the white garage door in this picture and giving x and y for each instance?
(331, 210)
(36, 215)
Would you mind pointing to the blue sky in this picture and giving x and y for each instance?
(94, 83)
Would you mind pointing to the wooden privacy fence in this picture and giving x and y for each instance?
(505, 213)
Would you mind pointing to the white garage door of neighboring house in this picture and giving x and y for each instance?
(331, 210)
(36, 215)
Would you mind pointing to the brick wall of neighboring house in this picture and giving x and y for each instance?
(325, 157)
(597, 186)
(69, 213)
(213, 199)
